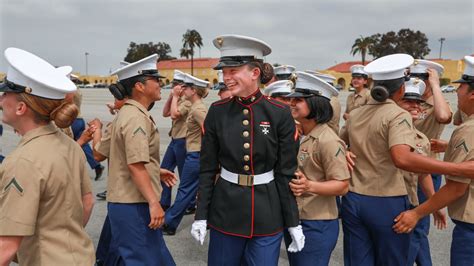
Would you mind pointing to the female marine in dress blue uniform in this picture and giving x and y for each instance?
(250, 144)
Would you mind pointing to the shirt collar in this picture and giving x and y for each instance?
(317, 130)
(250, 99)
(372, 101)
(141, 108)
(38, 132)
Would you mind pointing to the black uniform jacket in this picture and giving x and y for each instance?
(249, 136)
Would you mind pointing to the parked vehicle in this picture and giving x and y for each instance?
(448, 88)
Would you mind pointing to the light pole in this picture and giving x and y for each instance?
(87, 64)
(441, 40)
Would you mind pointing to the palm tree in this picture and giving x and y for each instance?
(191, 39)
(362, 45)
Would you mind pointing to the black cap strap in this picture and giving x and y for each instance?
(13, 87)
(308, 91)
(237, 60)
(422, 76)
(468, 78)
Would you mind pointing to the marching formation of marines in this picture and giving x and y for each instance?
(265, 164)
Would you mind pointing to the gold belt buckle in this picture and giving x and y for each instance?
(246, 180)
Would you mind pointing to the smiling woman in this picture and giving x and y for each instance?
(250, 143)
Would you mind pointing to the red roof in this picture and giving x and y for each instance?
(186, 63)
(346, 66)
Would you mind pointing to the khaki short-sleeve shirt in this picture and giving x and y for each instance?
(194, 122)
(321, 157)
(356, 100)
(459, 116)
(103, 147)
(460, 149)
(134, 139)
(427, 122)
(411, 179)
(372, 130)
(178, 126)
(41, 187)
(336, 108)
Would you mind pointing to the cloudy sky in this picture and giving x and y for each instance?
(308, 34)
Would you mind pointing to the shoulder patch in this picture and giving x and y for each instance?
(462, 145)
(339, 151)
(15, 185)
(405, 121)
(139, 130)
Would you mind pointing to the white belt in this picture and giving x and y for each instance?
(247, 180)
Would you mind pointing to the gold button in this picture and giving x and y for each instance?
(246, 111)
(245, 134)
(245, 122)
(246, 145)
(246, 158)
(246, 168)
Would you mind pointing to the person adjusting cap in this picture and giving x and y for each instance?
(278, 88)
(389, 67)
(237, 50)
(193, 81)
(468, 74)
(420, 67)
(358, 71)
(308, 85)
(414, 89)
(145, 67)
(178, 76)
(33, 75)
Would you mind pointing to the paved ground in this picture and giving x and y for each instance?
(182, 246)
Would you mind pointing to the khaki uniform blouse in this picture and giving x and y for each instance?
(134, 138)
(321, 157)
(461, 149)
(195, 119)
(42, 183)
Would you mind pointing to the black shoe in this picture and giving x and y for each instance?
(190, 210)
(102, 195)
(168, 231)
(98, 172)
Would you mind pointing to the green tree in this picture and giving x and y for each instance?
(191, 39)
(136, 51)
(414, 43)
(361, 46)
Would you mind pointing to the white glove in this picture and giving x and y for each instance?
(199, 230)
(297, 237)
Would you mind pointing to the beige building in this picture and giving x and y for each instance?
(202, 68)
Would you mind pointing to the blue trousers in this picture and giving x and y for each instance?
(320, 240)
(236, 251)
(133, 243)
(187, 190)
(462, 246)
(422, 229)
(368, 235)
(103, 246)
(78, 126)
(175, 156)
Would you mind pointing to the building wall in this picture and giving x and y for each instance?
(207, 74)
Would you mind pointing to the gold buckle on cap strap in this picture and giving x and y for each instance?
(246, 180)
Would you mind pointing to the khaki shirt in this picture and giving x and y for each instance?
(336, 108)
(459, 116)
(321, 157)
(134, 139)
(427, 122)
(67, 131)
(370, 132)
(411, 179)
(356, 100)
(41, 187)
(103, 147)
(178, 126)
(461, 149)
(194, 122)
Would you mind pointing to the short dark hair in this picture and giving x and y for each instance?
(320, 109)
(129, 83)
